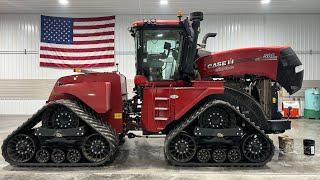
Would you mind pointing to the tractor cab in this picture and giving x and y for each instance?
(166, 49)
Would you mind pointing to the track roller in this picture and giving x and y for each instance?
(219, 155)
(42, 156)
(73, 155)
(58, 156)
(204, 155)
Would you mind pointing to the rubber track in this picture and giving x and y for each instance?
(246, 103)
(193, 117)
(87, 115)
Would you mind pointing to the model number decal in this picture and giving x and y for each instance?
(269, 56)
(220, 63)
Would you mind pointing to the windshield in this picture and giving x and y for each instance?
(160, 55)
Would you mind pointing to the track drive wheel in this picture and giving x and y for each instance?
(60, 118)
(96, 148)
(182, 148)
(21, 148)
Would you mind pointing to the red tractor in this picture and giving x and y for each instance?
(215, 109)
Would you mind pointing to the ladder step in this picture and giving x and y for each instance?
(161, 98)
(160, 118)
(161, 108)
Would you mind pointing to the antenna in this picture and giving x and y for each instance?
(117, 64)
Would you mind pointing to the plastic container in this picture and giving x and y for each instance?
(309, 147)
(295, 109)
(312, 103)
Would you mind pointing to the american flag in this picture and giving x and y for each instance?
(77, 42)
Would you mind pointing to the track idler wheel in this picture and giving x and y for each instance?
(21, 148)
(234, 155)
(73, 155)
(182, 148)
(42, 156)
(204, 155)
(256, 148)
(58, 156)
(96, 148)
(219, 155)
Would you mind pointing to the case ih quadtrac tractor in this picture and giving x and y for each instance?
(215, 109)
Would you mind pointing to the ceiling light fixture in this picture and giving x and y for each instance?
(64, 2)
(265, 1)
(164, 2)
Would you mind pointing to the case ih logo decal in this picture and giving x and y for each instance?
(220, 63)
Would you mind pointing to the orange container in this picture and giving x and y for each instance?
(295, 111)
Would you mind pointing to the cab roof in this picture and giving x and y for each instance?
(157, 23)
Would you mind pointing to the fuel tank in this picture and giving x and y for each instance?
(278, 63)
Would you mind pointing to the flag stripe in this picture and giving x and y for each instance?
(78, 46)
(92, 23)
(78, 54)
(76, 50)
(93, 19)
(84, 31)
(76, 65)
(77, 62)
(93, 38)
(86, 42)
(94, 26)
(76, 57)
(94, 42)
(94, 34)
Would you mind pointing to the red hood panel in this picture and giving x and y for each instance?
(260, 61)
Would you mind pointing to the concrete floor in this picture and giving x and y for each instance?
(143, 159)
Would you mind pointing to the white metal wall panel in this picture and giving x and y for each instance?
(19, 32)
(20, 107)
(302, 33)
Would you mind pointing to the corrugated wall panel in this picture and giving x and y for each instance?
(20, 107)
(19, 32)
(301, 31)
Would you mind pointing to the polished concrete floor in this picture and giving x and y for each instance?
(142, 158)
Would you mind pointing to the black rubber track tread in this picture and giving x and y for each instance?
(247, 102)
(86, 115)
(179, 128)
